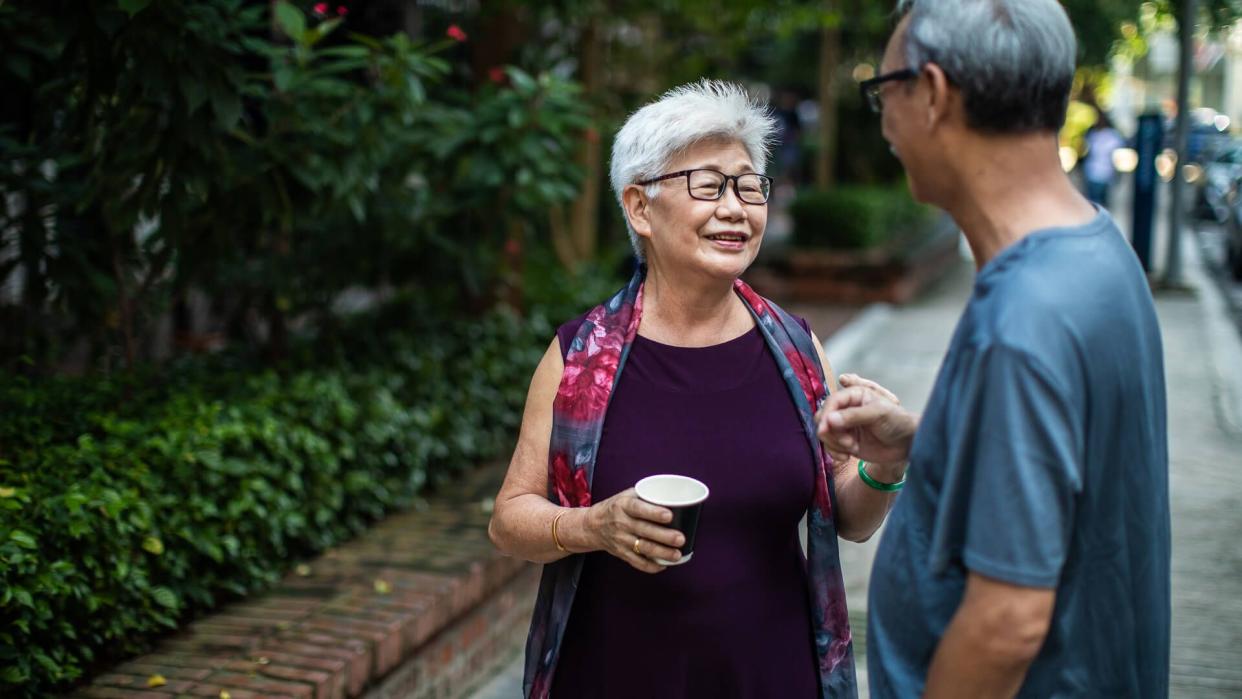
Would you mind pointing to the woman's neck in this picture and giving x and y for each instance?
(691, 312)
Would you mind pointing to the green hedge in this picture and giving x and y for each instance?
(130, 504)
(853, 217)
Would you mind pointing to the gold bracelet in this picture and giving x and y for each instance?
(556, 539)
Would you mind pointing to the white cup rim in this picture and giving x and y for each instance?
(665, 502)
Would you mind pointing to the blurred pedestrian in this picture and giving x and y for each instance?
(1029, 552)
(1097, 166)
(788, 156)
(686, 371)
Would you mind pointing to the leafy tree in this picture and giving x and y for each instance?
(157, 150)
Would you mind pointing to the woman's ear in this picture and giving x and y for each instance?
(637, 209)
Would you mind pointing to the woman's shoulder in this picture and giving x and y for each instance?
(566, 332)
(802, 322)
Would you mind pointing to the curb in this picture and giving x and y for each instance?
(843, 346)
(1224, 342)
(420, 605)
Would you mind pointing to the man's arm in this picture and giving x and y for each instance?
(991, 641)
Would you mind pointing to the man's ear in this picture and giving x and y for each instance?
(942, 99)
(637, 209)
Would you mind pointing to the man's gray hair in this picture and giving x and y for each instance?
(1012, 59)
(682, 117)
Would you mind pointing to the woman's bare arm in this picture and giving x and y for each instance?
(860, 508)
(521, 524)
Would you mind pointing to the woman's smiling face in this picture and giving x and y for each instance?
(719, 238)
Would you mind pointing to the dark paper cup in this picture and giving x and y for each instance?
(684, 496)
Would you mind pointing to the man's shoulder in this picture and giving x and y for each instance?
(1071, 272)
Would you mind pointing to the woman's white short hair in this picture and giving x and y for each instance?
(682, 117)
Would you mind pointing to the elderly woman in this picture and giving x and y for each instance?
(686, 370)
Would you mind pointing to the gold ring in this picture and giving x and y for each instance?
(636, 551)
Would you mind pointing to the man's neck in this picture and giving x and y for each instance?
(1009, 187)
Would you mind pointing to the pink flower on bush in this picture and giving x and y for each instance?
(321, 9)
(341, 10)
(496, 74)
(455, 33)
(570, 484)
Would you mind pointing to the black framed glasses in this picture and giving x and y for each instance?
(709, 185)
(870, 89)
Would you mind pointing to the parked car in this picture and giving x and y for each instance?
(1222, 170)
(1233, 232)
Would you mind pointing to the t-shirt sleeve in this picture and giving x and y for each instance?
(1015, 472)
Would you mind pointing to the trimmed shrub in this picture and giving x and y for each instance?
(128, 505)
(854, 217)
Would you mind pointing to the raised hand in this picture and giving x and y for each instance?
(866, 420)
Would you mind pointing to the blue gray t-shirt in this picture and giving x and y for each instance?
(1041, 460)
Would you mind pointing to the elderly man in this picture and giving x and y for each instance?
(1029, 551)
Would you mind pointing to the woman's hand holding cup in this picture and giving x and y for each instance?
(624, 519)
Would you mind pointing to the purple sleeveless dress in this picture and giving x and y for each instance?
(735, 620)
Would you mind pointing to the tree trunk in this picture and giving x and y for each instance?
(503, 28)
(829, 59)
(513, 271)
(124, 306)
(584, 214)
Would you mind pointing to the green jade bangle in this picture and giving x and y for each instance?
(885, 487)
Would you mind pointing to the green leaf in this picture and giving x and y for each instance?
(227, 106)
(282, 77)
(23, 539)
(19, 65)
(164, 596)
(48, 664)
(153, 545)
(291, 21)
(522, 80)
(133, 7)
(13, 675)
(315, 35)
(193, 91)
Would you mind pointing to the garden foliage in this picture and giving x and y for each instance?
(855, 217)
(264, 160)
(129, 504)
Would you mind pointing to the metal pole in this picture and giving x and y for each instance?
(1185, 33)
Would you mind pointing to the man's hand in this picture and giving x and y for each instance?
(866, 420)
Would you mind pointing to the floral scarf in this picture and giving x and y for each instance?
(592, 368)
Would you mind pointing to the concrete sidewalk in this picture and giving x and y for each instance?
(902, 348)
(1202, 356)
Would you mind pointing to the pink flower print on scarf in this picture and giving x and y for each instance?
(571, 485)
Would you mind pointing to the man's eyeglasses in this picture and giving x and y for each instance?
(709, 185)
(870, 89)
